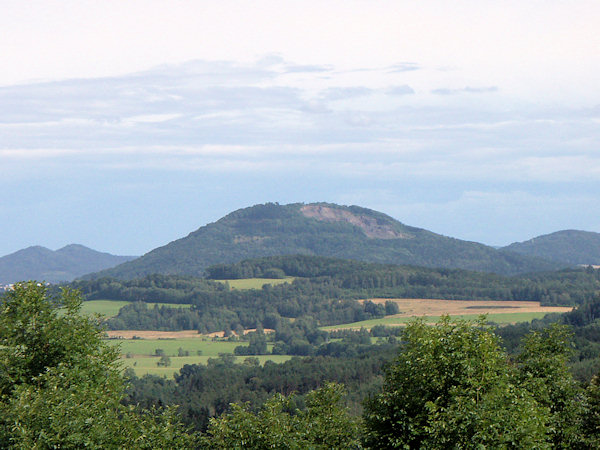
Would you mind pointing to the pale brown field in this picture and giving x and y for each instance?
(149, 334)
(410, 307)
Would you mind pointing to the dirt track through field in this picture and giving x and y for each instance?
(410, 307)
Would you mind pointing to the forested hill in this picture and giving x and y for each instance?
(568, 246)
(65, 264)
(325, 230)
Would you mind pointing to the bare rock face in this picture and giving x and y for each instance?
(371, 226)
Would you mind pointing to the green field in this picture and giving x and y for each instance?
(207, 346)
(255, 283)
(110, 308)
(106, 308)
(501, 319)
(144, 365)
(137, 353)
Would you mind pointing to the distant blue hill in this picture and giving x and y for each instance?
(65, 264)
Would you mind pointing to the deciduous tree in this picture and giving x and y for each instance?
(60, 383)
(451, 387)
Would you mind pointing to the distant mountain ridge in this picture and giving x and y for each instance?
(567, 246)
(322, 229)
(65, 264)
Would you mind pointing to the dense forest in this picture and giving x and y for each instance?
(568, 246)
(345, 356)
(453, 385)
(323, 290)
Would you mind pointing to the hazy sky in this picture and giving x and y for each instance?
(127, 124)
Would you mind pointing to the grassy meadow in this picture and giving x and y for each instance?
(107, 308)
(110, 308)
(146, 347)
(146, 365)
(139, 354)
(255, 283)
(500, 319)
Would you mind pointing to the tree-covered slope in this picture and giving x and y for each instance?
(568, 246)
(320, 229)
(65, 264)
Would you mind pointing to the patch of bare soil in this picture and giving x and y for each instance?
(371, 226)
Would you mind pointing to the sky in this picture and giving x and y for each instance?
(126, 125)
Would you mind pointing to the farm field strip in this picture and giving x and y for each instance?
(501, 319)
(255, 283)
(501, 312)
(146, 365)
(171, 347)
(106, 308)
(110, 308)
(410, 307)
(140, 354)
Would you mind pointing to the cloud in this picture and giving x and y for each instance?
(345, 92)
(182, 116)
(400, 90)
(307, 68)
(469, 90)
(403, 67)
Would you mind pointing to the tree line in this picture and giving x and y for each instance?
(325, 290)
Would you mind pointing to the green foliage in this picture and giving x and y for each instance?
(328, 295)
(164, 361)
(451, 387)
(568, 246)
(60, 385)
(583, 321)
(544, 372)
(205, 391)
(323, 425)
(391, 308)
(257, 345)
(591, 418)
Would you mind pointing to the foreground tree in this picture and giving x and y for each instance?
(452, 387)
(323, 425)
(544, 371)
(591, 416)
(60, 384)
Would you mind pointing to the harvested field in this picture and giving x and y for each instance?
(410, 307)
(149, 334)
(497, 311)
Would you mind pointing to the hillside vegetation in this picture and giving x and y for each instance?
(324, 291)
(568, 246)
(320, 229)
